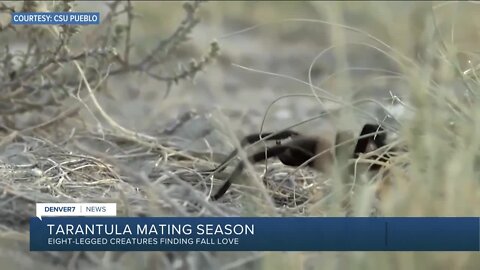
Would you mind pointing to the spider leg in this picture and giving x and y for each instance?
(251, 139)
(299, 151)
(275, 136)
(371, 134)
(260, 156)
(294, 153)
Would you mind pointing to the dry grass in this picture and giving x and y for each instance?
(423, 54)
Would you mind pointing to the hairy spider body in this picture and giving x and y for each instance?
(317, 152)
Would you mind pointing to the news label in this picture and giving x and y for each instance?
(78, 18)
(76, 209)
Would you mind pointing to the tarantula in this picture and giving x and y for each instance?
(316, 152)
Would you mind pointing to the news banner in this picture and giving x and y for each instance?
(95, 227)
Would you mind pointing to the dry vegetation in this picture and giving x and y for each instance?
(131, 110)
